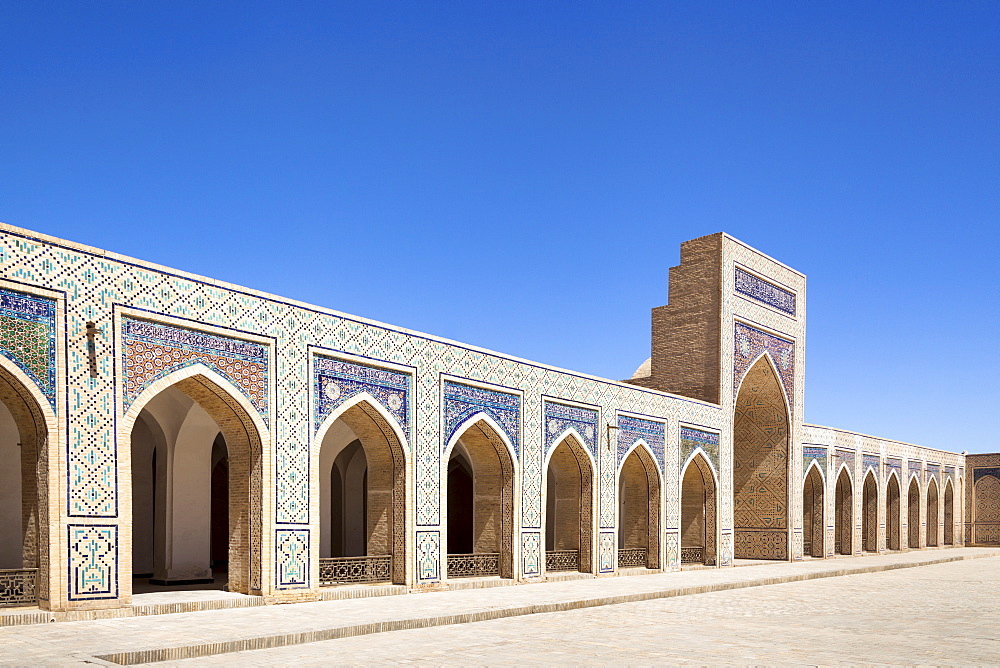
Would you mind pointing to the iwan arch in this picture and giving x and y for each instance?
(161, 429)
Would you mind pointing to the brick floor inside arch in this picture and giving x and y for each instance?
(165, 430)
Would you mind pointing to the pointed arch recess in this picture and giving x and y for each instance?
(699, 510)
(586, 470)
(893, 515)
(949, 513)
(933, 526)
(35, 420)
(482, 437)
(869, 512)
(385, 446)
(639, 530)
(843, 513)
(760, 463)
(247, 441)
(913, 513)
(813, 494)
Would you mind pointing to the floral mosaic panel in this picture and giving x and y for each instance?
(560, 417)
(336, 381)
(463, 401)
(750, 343)
(764, 291)
(811, 453)
(632, 429)
(692, 439)
(28, 338)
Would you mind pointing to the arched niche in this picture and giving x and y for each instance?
(699, 503)
(812, 513)
(843, 510)
(869, 513)
(639, 510)
(569, 502)
(893, 516)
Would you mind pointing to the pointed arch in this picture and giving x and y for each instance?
(248, 441)
(35, 423)
(869, 512)
(493, 460)
(933, 501)
(639, 507)
(386, 487)
(985, 509)
(813, 495)
(761, 449)
(892, 511)
(913, 514)
(699, 510)
(949, 513)
(569, 472)
(844, 513)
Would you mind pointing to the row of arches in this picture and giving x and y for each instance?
(844, 523)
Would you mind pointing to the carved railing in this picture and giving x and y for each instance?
(18, 587)
(630, 557)
(692, 555)
(562, 560)
(343, 570)
(473, 565)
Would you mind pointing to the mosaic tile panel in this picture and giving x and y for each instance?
(870, 462)
(811, 453)
(893, 464)
(764, 291)
(949, 472)
(673, 546)
(750, 343)
(608, 498)
(93, 562)
(560, 417)
(692, 439)
(292, 558)
(633, 429)
(934, 471)
(843, 457)
(153, 350)
(531, 553)
(607, 552)
(428, 556)
(336, 381)
(915, 468)
(28, 338)
(463, 401)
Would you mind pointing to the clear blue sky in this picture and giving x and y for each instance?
(519, 175)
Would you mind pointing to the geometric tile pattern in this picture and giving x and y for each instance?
(751, 342)
(292, 558)
(894, 464)
(93, 561)
(428, 551)
(336, 381)
(153, 350)
(764, 291)
(845, 457)
(870, 462)
(607, 552)
(530, 553)
(28, 338)
(633, 429)
(464, 401)
(692, 439)
(915, 468)
(934, 471)
(560, 417)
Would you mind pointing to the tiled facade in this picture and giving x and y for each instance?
(90, 337)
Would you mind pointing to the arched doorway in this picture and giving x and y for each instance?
(949, 514)
(932, 513)
(869, 514)
(362, 474)
(913, 515)
(485, 536)
(843, 514)
(23, 491)
(698, 512)
(195, 466)
(639, 510)
(760, 465)
(569, 498)
(892, 515)
(986, 510)
(812, 513)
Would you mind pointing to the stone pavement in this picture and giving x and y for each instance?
(199, 634)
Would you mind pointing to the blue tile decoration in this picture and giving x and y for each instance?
(915, 469)
(764, 291)
(531, 553)
(633, 429)
(949, 472)
(336, 381)
(934, 471)
(811, 453)
(750, 343)
(28, 338)
(607, 552)
(152, 350)
(843, 457)
(870, 462)
(463, 401)
(292, 558)
(979, 472)
(429, 556)
(692, 439)
(93, 561)
(894, 464)
(560, 417)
